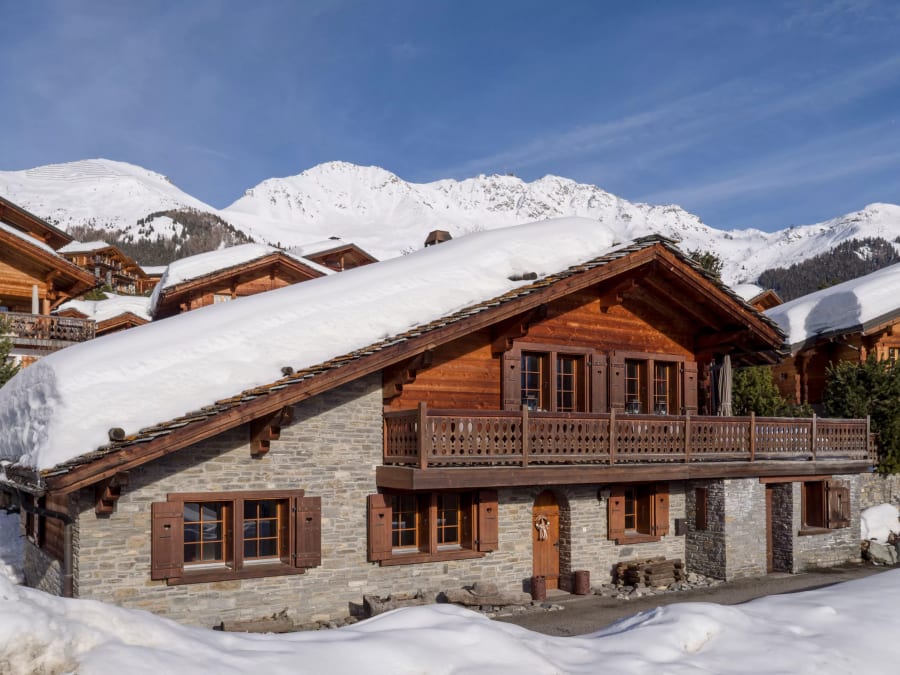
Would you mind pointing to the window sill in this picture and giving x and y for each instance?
(810, 531)
(253, 571)
(440, 556)
(636, 539)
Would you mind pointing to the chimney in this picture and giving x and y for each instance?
(437, 237)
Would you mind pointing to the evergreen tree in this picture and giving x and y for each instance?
(709, 261)
(8, 367)
(871, 388)
(754, 390)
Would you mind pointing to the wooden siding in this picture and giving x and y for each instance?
(54, 528)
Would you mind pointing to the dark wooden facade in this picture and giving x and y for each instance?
(341, 257)
(112, 268)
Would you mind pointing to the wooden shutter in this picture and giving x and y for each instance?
(166, 540)
(379, 547)
(599, 386)
(661, 510)
(838, 509)
(488, 521)
(617, 381)
(511, 363)
(689, 386)
(701, 509)
(308, 525)
(615, 514)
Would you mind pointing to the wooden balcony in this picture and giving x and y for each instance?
(43, 332)
(615, 444)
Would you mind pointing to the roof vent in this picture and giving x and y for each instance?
(437, 237)
(527, 276)
(287, 371)
(116, 434)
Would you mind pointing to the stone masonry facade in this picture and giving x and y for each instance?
(833, 547)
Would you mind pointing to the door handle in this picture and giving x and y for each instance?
(556, 545)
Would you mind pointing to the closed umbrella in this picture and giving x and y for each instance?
(725, 379)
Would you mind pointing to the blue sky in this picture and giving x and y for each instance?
(750, 114)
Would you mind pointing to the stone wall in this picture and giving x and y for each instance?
(41, 570)
(876, 489)
(783, 527)
(832, 547)
(705, 549)
(745, 528)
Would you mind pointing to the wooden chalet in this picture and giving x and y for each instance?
(266, 272)
(34, 280)
(112, 315)
(766, 300)
(111, 267)
(563, 426)
(336, 254)
(848, 322)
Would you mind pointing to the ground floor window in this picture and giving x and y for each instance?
(216, 536)
(825, 505)
(638, 512)
(417, 527)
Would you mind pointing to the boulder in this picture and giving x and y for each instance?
(485, 593)
(884, 554)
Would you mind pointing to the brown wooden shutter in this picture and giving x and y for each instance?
(599, 386)
(511, 362)
(615, 514)
(488, 521)
(838, 509)
(379, 547)
(309, 532)
(689, 386)
(661, 510)
(616, 381)
(166, 540)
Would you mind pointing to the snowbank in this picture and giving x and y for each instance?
(877, 522)
(64, 405)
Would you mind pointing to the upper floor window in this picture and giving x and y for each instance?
(651, 386)
(553, 381)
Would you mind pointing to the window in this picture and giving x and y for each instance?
(638, 513)
(893, 353)
(221, 297)
(825, 506)
(701, 509)
(233, 535)
(553, 381)
(410, 528)
(659, 384)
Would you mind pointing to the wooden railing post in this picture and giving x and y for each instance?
(525, 448)
(812, 439)
(752, 434)
(687, 437)
(422, 423)
(612, 435)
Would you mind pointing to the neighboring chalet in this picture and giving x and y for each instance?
(756, 297)
(226, 274)
(335, 254)
(34, 280)
(115, 313)
(846, 322)
(518, 403)
(111, 268)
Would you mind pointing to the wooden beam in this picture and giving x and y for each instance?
(107, 493)
(506, 333)
(405, 374)
(267, 428)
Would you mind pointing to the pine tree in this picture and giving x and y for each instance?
(8, 367)
(709, 261)
(871, 388)
(754, 390)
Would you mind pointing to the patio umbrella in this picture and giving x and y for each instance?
(725, 378)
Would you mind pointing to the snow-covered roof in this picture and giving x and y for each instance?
(747, 291)
(856, 305)
(114, 305)
(318, 246)
(84, 246)
(154, 270)
(60, 407)
(28, 238)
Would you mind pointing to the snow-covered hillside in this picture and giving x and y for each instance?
(386, 215)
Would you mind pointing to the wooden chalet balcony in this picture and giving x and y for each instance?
(424, 438)
(45, 332)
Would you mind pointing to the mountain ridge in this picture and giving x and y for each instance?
(386, 215)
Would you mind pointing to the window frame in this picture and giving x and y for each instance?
(550, 387)
(299, 549)
(653, 499)
(647, 362)
(824, 506)
(476, 527)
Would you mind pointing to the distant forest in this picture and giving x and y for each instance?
(201, 232)
(848, 260)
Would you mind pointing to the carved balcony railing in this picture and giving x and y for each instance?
(41, 331)
(458, 438)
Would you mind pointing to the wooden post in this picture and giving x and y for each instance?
(612, 436)
(422, 423)
(524, 424)
(687, 436)
(812, 439)
(752, 434)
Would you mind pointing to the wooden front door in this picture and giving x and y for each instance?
(770, 539)
(545, 537)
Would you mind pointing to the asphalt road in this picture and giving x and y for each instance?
(588, 613)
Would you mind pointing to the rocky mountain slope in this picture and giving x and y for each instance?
(386, 215)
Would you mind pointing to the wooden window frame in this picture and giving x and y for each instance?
(477, 528)
(653, 498)
(677, 401)
(824, 506)
(552, 353)
(299, 534)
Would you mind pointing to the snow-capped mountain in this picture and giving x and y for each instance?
(386, 215)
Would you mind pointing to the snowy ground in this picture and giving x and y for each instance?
(849, 628)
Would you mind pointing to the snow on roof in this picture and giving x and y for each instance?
(319, 246)
(114, 305)
(154, 270)
(84, 246)
(64, 405)
(852, 306)
(28, 238)
(747, 291)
